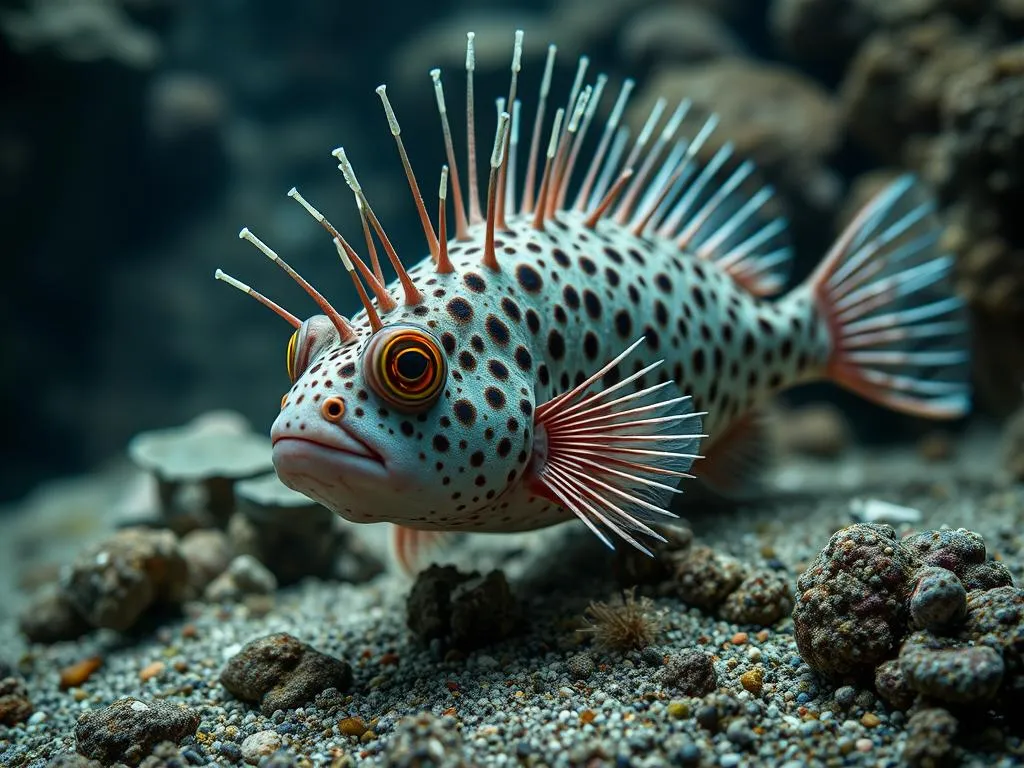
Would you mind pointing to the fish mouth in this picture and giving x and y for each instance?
(328, 459)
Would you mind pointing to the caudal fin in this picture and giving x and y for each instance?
(898, 331)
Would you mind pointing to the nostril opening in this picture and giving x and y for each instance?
(333, 408)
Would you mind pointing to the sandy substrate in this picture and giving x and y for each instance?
(526, 700)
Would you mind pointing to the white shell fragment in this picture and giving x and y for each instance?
(878, 511)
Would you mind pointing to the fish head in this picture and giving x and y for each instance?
(385, 428)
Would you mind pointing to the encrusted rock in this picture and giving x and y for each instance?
(891, 684)
(762, 598)
(850, 614)
(112, 584)
(962, 552)
(704, 577)
(938, 599)
(129, 729)
(462, 610)
(930, 734)
(281, 672)
(15, 706)
(690, 672)
(49, 617)
(950, 672)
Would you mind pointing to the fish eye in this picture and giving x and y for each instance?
(405, 367)
(306, 344)
(293, 344)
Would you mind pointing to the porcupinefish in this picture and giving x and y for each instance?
(578, 345)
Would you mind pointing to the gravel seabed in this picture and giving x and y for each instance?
(517, 702)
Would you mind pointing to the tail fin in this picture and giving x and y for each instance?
(898, 331)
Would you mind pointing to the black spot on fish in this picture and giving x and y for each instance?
(465, 412)
(529, 278)
(495, 398)
(460, 310)
(497, 330)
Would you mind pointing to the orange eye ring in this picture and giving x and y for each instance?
(405, 367)
(332, 409)
(290, 357)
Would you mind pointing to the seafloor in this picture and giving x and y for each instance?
(547, 696)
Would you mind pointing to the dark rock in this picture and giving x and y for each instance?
(72, 761)
(938, 599)
(114, 583)
(463, 610)
(930, 734)
(281, 672)
(15, 706)
(950, 672)
(962, 552)
(581, 666)
(704, 577)
(762, 598)
(690, 672)
(129, 729)
(49, 617)
(892, 686)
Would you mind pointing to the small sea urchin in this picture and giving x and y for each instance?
(627, 626)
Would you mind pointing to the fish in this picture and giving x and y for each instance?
(593, 325)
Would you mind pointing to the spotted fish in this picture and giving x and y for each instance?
(598, 322)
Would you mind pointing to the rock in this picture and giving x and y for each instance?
(259, 745)
(704, 577)
(281, 672)
(49, 617)
(995, 618)
(783, 121)
(892, 686)
(72, 761)
(820, 430)
(938, 599)
(207, 553)
(290, 534)
(15, 706)
(930, 734)
(962, 552)
(949, 672)
(850, 613)
(825, 33)
(762, 598)
(463, 610)
(113, 583)
(129, 729)
(245, 576)
(683, 33)
(425, 739)
(581, 666)
(690, 672)
(894, 86)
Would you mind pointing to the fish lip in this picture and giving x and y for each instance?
(339, 446)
